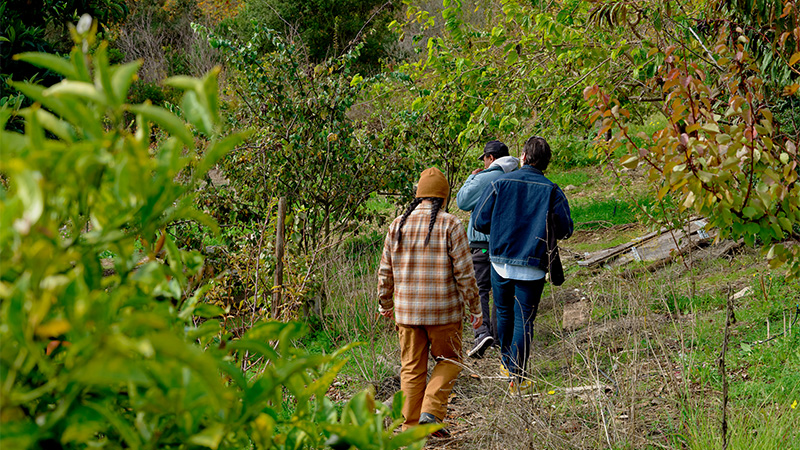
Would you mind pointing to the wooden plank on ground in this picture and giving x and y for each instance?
(655, 246)
(600, 257)
(667, 244)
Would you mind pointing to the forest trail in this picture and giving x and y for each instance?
(615, 376)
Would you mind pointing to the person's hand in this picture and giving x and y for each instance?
(389, 313)
(475, 172)
(477, 321)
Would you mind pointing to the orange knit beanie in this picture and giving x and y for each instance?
(432, 183)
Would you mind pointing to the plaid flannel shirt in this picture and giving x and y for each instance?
(428, 285)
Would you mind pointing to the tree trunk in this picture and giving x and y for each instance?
(280, 235)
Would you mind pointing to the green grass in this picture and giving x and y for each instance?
(771, 426)
(686, 305)
(572, 177)
(594, 214)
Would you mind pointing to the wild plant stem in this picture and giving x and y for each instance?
(722, 373)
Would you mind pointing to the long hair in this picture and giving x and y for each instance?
(437, 205)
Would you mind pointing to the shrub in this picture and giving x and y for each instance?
(137, 359)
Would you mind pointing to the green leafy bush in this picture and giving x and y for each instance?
(136, 359)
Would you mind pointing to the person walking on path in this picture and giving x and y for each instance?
(518, 209)
(496, 162)
(425, 280)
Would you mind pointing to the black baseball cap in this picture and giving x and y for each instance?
(494, 148)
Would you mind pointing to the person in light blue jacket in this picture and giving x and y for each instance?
(523, 211)
(496, 162)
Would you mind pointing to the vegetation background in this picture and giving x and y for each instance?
(138, 292)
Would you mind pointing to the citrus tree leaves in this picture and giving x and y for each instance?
(127, 354)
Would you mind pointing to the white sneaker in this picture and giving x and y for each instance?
(481, 344)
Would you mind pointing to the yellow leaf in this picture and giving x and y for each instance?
(53, 328)
(689, 201)
(794, 58)
(791, 89)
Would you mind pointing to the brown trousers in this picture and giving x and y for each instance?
(444, 344)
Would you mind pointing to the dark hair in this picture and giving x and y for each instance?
(437, 205)
(537, 153)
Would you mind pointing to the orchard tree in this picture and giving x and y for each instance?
(136, 358)
(308, 147)
(509, 69)
(722, 154)
(327, 29)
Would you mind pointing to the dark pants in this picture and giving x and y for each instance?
(517, 302)
(483, 269)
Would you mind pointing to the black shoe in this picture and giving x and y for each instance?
(427, 418)
(481, 344)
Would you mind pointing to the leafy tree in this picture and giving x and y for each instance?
(508, 69)
(722, 154)
(769, 28)
(308, 148)
(327, 28)
(39, 26)
(136, 359)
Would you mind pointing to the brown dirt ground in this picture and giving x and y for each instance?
(640, 391)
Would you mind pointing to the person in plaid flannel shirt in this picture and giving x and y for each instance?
(425, 280)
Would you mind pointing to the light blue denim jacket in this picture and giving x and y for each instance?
(470, 192)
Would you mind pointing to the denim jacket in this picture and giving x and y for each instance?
(513, 209)
(470, 192)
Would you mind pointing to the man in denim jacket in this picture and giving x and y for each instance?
(496, 162)
(515, 209)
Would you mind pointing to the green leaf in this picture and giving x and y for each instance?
(197, 114)
(210, 437)
(184, 83)
(53, 124)
(397, 405)
(217, 150)
(272, 330)
(321, 385)
(78, 89)
(415, 434)
(208, 310)
(122, 77)
(47, 61)
(206, 329)
(512, 57)
(30, 193)
(630, 162)
(166, 120)
(102, 74)
(252, 346)
(201, 364)
(723, 138)
(211, 91)
(119, 423)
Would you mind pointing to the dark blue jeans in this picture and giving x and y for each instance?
(483, 269)
(517, 302)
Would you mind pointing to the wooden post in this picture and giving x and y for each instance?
(280, 234)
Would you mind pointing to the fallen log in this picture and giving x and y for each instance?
(655, 247)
